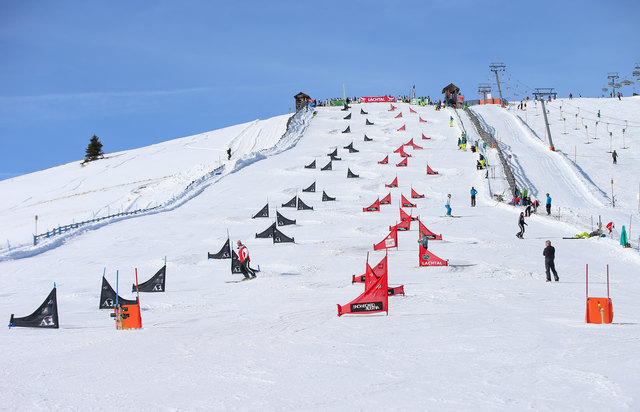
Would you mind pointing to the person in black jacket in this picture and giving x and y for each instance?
(549, 253)
(521, 224)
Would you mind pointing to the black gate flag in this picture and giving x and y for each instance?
(224, 253)
(155, 284)
(108, 297)
(46, 316)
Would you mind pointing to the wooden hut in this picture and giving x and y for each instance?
(451, 94)
(301, 100)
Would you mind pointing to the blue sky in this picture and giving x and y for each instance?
(138, 73)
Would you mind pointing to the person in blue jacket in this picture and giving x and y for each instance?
(448, 205)
(548, 205)
(474, 192)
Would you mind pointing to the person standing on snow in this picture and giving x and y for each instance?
(473, 192)
(548, 205)
(448, 205)
(521, 224)
(614, 155)
(423, 240)
(243, 253)
(229, 154)
(549, 254)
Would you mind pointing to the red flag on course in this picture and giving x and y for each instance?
(386, 200)
(384, 161)
(404, 216)
(430, 171)
(398, 116)
(374, 299)
(425, 137)
(392, 107)
(421, 119)
(423, 229)
(416, 195)
(375, 207)
(403, 128)
(377, 270)
(403, 163)
(392, 184)
(405, 203)
(415, 146)
(411, 110)
(400, 150)
(403, 226)
(390, 241)
(427, 258)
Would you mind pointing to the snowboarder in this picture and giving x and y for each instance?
(243, 253)
(423, 240)
(521, 224)
(614, 155)
(548, 205)
(549, 254)
(448, 205)
(450, 121)
(598, 114)
(474, 192)
(229, 154)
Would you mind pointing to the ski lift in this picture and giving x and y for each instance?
(626, 82)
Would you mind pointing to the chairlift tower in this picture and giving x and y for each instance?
(495, 68)
(613, 76)
(539, 94)
(483, 89)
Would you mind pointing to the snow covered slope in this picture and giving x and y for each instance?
(124, 181)
(485, 333)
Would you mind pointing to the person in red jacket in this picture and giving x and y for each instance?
(243, 253)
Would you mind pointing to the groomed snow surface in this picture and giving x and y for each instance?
(485, 333)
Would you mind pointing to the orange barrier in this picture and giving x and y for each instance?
(599, 310)
(128, 317)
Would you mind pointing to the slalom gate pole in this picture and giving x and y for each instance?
(608, 281)
(587, 281)
(165, 261)
(137, 291)
(116, 288)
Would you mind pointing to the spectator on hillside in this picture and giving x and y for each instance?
(548, 205)
(614, 155)
(549, 254)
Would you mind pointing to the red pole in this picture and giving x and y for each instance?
(137, 291)
(607, 281)
(587, 282)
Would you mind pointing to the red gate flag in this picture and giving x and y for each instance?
(392, 108)
(398, 116)
(398, 290)
(416, 195)
(403, 226)
(403, 162)
(374, 299)
(430, 171)
(404, 216)
(423, 229)
(390, 241)
(403, 128)
(427, 258)
(392, 184)
(386, 200)
(401, 151)
(375, 207)
(425, 137)
(421, 119)
(411, 110)
(412, 144)
(377, 270)
(384, 161)
(405, 203)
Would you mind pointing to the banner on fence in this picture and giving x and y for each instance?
(378, 99)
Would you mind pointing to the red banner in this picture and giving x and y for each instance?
(427, 258)
(377, 99)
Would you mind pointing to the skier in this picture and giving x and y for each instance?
(548, 205)
(450, 121)
(243, 253)
(598, 114)
(229, 154)
(423, 240)
(521, 224)
(448, 205)
(473, 196)
(615, 157)
(549, 254)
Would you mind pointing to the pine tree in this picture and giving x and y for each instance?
(94, 150)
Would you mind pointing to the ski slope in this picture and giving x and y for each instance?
(485, 333)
